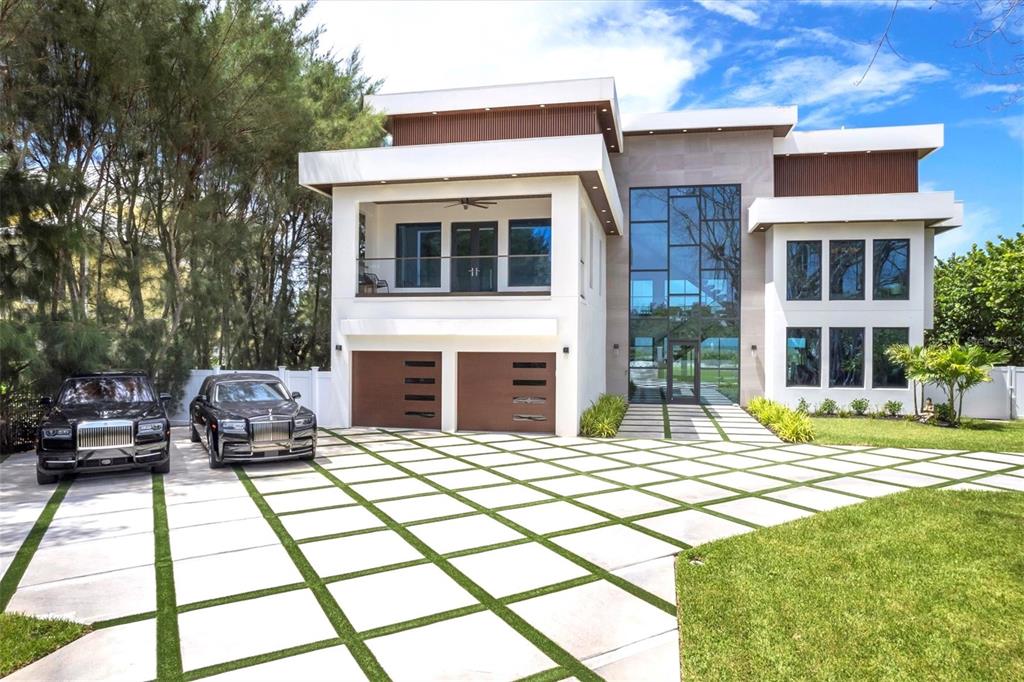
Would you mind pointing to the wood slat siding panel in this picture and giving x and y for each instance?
(504, 124)
(832, 174)
(491, 400)
(382, 382)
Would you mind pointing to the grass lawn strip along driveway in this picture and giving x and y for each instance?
(639, 458)
(168, 648)
(924, 585)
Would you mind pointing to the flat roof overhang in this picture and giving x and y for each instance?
(938, 210)
(581, 155)
(502, 326)
(924, 139)
(596, 91)
(780, 120)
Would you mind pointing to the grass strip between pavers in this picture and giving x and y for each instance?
(21, 560)
(711, 417)
(544, 539)
(168, 644)
(548, 646)
(369, 664)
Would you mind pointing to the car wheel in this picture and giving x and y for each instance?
(165, 467)
(194, 435)
(211, 450)
(45, 479)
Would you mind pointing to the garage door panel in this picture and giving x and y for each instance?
(506, 392)
(396, 388)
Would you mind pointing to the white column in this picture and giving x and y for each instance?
(314, 391)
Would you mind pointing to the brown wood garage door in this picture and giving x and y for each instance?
(507, 392)
(394, 388)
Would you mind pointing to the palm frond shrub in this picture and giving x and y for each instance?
(604, 416)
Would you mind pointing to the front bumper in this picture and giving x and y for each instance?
(239, 447)
(108, 459)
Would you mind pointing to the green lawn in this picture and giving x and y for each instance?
(24, 639)
(976, 434)
(925, 584)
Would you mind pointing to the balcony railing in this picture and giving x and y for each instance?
(503, 274)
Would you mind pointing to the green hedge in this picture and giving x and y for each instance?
(789, 425)
(603, 417)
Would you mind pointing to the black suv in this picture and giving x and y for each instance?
(103, 421)
(245, 417)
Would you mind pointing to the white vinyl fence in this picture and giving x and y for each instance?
(313, 385)
(1001, 398)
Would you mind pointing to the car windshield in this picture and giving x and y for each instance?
(106, 390)
(249, 391)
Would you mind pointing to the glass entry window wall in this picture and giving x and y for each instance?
(684, 294)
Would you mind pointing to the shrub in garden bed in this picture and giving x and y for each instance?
(789, 425)
(828, 408)
(859, 406)
(603, 417)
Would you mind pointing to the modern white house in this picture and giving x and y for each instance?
(515, 251)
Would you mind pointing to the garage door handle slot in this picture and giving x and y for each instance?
(529, 382)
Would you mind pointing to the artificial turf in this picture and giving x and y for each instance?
(925, 584)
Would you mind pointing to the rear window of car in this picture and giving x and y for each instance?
(247, 391)
(106, 390)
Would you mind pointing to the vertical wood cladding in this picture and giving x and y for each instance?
(504, 124)
(820, 174)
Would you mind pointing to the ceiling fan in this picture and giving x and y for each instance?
(476, 203)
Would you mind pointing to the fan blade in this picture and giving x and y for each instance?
(457, 203)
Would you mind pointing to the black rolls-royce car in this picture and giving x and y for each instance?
(246, 417)
(102, 422)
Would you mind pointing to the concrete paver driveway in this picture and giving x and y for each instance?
(416, 555)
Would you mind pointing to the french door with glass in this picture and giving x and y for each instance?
(475, 256)
(683, 371)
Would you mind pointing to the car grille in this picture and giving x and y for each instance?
(105, 434)
(270, 431)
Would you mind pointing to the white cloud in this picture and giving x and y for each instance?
(828, 85)
(992, 89)
(981, 223)
(424, 46)
(739, 10)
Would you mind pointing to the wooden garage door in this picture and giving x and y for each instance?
(393, 388)
(507, 392)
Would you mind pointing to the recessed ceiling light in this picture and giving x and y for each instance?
(607, 128)
(594, 187)
(824, 153)
(542, 106)
(869, 151)
(383, 182)
(608, 222)
(604, 111)
(717, 128)
(650, 132)
(434, 113)
(444, 178)
(684, 130)
(604, 210)
(612, 146)
(487, 108)
(787, 154)
(515, 175)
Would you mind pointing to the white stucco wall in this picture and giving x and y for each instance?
(780, 313)
(457, 323)
(592, 325)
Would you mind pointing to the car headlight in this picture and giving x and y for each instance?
(232, 426)
(305, 421)
(56, 432)
(151, 428)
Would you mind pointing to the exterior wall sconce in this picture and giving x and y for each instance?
(615, 348)
(753, 349)
(565, 349)
(337, 346)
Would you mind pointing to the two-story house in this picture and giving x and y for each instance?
(517, 250)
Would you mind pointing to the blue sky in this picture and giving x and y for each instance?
(716, 53)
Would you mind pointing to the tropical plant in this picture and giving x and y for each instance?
(789, 425)
(859, 406)
(914, 361)
(957, 368)
(828, 407)
(604, 416)
(892, 407)
(802, 406)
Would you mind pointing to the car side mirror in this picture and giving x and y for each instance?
(165, 396)
(200, 398)
(46, 401)
(296, 395)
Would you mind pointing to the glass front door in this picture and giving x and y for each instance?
(474, 256)
(684, 372)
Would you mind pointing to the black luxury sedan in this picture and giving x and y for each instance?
(246, 417)
(103, 421)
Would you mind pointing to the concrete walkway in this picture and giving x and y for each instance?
(420, 555)
(693, 422)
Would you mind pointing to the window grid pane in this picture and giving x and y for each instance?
(846, 270)
(803, 271)
(885, 374)
(803, 356)
(892, 269)
(846, 356)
